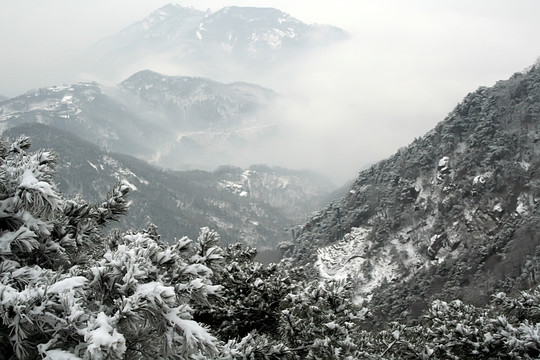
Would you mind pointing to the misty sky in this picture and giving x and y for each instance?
(406, 65)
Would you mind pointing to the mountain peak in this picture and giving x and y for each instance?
(263, 17)
(147, 78)
(175, 10)
(170, 13)
(251, 10)
(204, 42)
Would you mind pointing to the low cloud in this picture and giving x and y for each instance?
(404, 67)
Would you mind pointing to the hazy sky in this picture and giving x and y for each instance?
(407, 64)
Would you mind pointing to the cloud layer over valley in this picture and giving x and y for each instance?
(404, 66)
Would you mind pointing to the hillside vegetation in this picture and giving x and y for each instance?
(452, 215)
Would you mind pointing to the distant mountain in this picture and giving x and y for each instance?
(453, 215)
(170, 23)
(194, 103)
(262, 34)
(83, 109)
(246, 37)
(255, 205)
(207, 122)
(175, 122)
(2, 98)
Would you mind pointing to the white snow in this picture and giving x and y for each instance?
(481, 179)
(59, 88)
(57, 354)
(92, 165)
(443, 162)
(24, 237)
(348, 260)
(67, 284)
(522, 209)
(525, 165)
(104, 340)
(36, 224)
(235, 187)
(271, 38)
(193, 332)
(67, 99)
(339, 260)
(133, 187)
(156, 292)
(523, 202)
(30, 182)
(123, 173)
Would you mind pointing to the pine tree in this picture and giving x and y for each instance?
(67, 290)
(251, 296)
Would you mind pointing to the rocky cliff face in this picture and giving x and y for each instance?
(454, 214)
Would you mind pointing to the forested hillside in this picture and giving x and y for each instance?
(452, 215)
(147, 211)
(69, 291)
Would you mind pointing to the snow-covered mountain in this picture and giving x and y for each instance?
(170, 23)
(176, 122)
(263, 34)
(453, 215)
(252, 205)
(291, 191)
(205, 123)
(84, 109)
(233, 37)
(194, 103)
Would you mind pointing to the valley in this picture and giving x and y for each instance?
(151, 212)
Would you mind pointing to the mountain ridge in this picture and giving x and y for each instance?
(444, 216)
(242, 204)
(230, 38)
(177, 122)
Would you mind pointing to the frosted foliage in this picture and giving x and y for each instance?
(103, 341)
(148, 277)
(67, 291)
(28, 198)
(60, 355)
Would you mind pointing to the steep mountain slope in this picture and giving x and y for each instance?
(243, 205)
(292, 191)
(233, 36)
(262, 34)
(193, 103)
(84, 109)
(173, 121)
(454, 214)
(169, 23)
